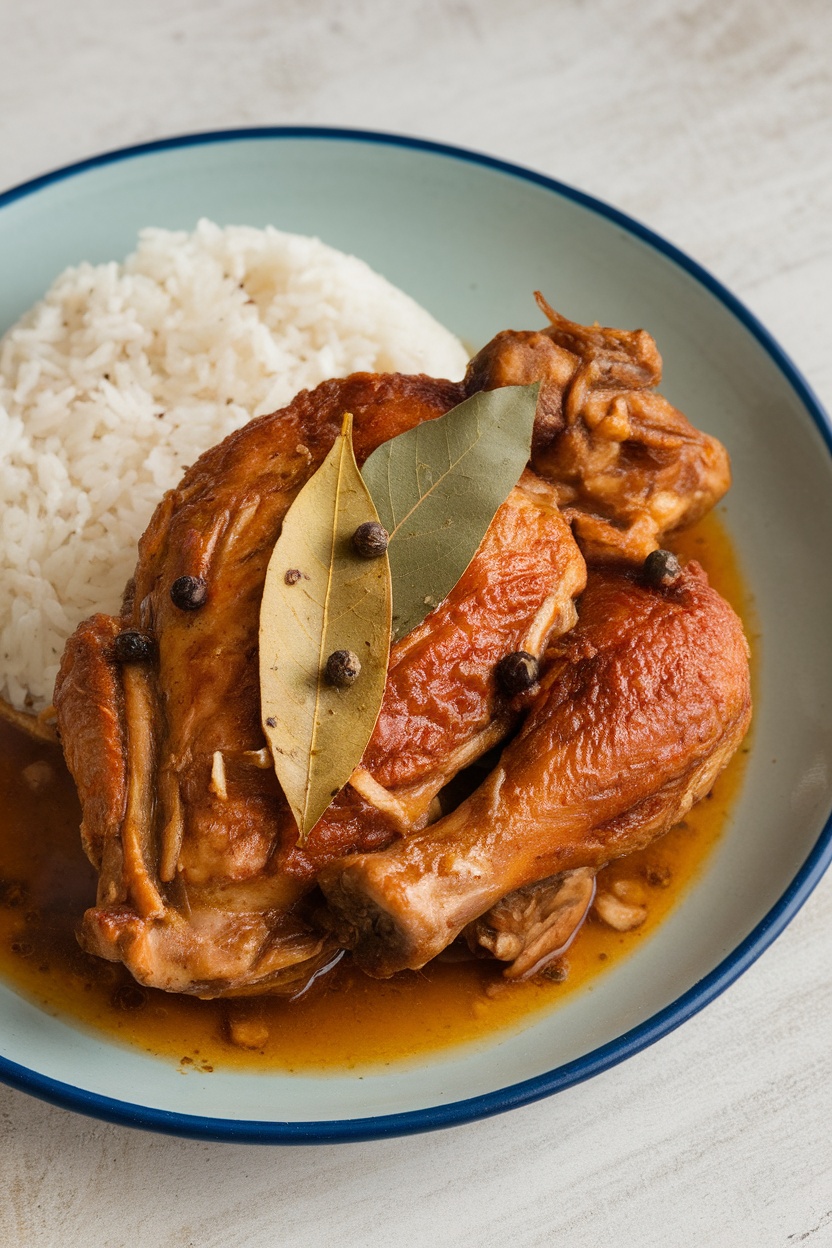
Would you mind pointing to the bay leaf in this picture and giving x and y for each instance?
(437, 488)
(320, 596)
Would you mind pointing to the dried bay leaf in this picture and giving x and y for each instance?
(437, 488)
(320, 596)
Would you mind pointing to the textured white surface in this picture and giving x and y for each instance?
(711, 122)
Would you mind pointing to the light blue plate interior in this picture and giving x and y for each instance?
(471, 239)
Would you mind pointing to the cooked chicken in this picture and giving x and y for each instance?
(646, 700)
(202, 885)
(200, 872)
(533, 926)
(442, 708)
(629, 468)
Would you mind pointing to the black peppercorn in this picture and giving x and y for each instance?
(370, 540)
(517, 672)
(343, 668)
(188, 593)
(133, 647)
(662, 569)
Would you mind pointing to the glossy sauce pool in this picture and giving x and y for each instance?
(345, 1020)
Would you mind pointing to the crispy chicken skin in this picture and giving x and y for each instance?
(643, 704)
(202, 887)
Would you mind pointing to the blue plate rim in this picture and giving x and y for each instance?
(631, 1042)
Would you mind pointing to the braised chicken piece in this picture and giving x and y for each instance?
(442, 707)
(200, 874)
(630, 469)
(534, 926)
(644, 703)
(202, 886)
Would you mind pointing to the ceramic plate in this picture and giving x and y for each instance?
(470, 238)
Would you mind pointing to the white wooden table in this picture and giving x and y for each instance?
(711, 122)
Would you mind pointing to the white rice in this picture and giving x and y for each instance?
(123, 375)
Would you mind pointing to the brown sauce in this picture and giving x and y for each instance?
(345, 1020)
